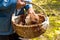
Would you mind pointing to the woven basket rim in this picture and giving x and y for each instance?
(32, 25)
(26, 25)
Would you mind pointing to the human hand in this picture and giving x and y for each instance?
(32, 17)
(20, 4)
(33, 14)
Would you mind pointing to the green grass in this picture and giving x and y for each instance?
(53, 31)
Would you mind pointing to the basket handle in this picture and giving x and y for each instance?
(27, 2)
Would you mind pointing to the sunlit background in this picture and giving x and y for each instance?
(52, 9)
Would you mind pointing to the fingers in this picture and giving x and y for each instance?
(30, 10)
(33, 14)
(20, 4)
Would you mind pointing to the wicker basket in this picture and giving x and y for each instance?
(30, 31)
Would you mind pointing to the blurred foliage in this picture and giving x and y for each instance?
(52, 9)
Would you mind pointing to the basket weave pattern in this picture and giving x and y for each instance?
(30, 31)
